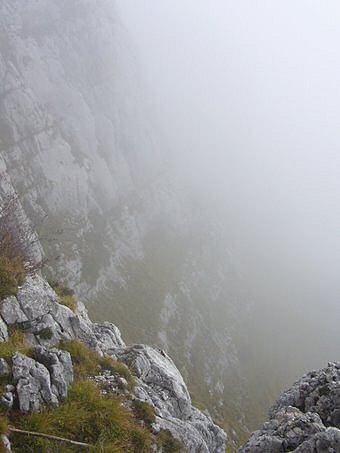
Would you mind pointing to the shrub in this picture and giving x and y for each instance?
(12, 274)
(108, 363)
(15, 343)
(45, 333)
(168, 442)
(144, 411)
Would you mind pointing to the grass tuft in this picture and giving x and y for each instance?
(108, 363)
(15, 343)
(168, 442)
(144, 411)
(85, 360)
(65, 295)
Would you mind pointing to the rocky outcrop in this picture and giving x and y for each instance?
(36, 307)
(305, 418)
(40, 380)
(43, 378)
(161, 385)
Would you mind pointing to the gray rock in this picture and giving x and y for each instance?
(33, 383)
(4, 368)
(3, 331)
(300, 417)
(59, 365)
(159, 373)
(36, 297)
(160, 384)
(108, 336)
(6, 443)
(7, 399)
(326, 442)
(11, 311)
(285, 432)
(317, 391)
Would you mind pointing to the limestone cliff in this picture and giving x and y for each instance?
(81, 148)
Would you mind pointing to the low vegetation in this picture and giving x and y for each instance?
(107, 363)
(12, 274)
(65, 295)
(86, 416)
(15, 343)
(168, 443)
(144, 411)
(87, 362)
(45, 333)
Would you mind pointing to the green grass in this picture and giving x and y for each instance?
(144, 411)
(15, 343)
(108, 363)
(86, 416)
(87, 362)
(84, 359)
(168, 443)
(65, 295)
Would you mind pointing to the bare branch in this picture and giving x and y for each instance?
(49, 436)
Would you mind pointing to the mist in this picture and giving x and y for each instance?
(248, 97)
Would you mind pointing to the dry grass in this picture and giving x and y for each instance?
(12, 274)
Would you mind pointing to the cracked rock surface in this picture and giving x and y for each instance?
(160, 384)
(305, 418)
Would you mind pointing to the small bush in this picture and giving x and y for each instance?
(15, 343)
(12, 274)
(65, 295)
(108, 363)
(144, 411)
(45, 333)
(168, 442)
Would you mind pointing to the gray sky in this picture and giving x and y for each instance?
(248, 94)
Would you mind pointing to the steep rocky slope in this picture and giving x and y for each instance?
(42, 376)
(80, 146)
(305, 418)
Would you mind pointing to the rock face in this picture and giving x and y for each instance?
(161, 385)
(43, 378)
(305, 418)
(78, 141)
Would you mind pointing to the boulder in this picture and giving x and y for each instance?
(42, 380)
(33, 383)
(4, 368)
(11, 311)
(159, 382)
(59, 365)
(305, 418)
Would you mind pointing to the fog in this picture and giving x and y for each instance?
(248, 96)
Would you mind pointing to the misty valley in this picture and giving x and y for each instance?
(169, 226)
